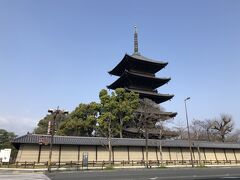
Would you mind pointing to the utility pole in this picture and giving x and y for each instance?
(54, 112)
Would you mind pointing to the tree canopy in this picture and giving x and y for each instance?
(92, 119)
(42, 126)
(6, 138)
(107, 120)
(80, 122)
(5, 142)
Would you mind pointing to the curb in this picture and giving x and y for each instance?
(44, 170)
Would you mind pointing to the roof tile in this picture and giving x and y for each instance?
(75, 140)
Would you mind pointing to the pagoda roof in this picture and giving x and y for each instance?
(162, 115)
(156, 97)
(139, 63)
(137, 79)
(153, 131)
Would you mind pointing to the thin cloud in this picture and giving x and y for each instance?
(18, 125)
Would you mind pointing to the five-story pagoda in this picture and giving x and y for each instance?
(137, 73)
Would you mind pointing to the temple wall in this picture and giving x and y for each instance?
(186, 154)
(237, 153)
(19, 154)
(31, 153)
(165, 154)
(176, 154)
(203, 157)
(69, 153)
(102, 153)
(90, 150)
(28, 153)
(196, 154)
(210, 155)
(230, 155)
(135, 154)
(220, 154)
(55, 153)
(151, 153)
(44, 155)
(120, 153)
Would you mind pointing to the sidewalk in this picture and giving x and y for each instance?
(43, 170)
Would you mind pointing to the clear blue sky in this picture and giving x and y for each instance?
(58, 52)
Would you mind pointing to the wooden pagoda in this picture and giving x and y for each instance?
(137, 73)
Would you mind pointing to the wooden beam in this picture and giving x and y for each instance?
(59, 156)
(235, 155)
(204, 153)
(96, 152)
(78, 153)
(215, 154)
(225, 154)
(181, 153)
(39, 152)
(142, 153)
(113, 153)
(169, 153)
(156, 149)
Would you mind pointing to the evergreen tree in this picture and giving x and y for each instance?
(42, 126)
(81, 122)
(107, 122)
(5, 142)
(126, 104)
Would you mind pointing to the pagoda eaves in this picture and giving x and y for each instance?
(155, 96)
(137, 63)
(137, 74)
(142, 81)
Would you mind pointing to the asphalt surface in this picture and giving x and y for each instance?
(150, 174)
(16, 175)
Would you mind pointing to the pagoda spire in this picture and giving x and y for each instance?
(135, 41)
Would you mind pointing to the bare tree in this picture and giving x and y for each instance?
(197, 130)
(223, 126)
(203, 130)
(149, 113)
(181, 131)
(160, 126)
(211, 130)
(234, 137)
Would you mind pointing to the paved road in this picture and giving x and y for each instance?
(9, 175)
(24, 177)
(130, 174)
(150, 174)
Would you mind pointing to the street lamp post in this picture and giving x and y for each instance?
(54, 112)
(189, 139)
(0, 149)
(159, 126)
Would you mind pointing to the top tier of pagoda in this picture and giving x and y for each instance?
(137, 73)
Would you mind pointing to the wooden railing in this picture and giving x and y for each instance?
(78, 165)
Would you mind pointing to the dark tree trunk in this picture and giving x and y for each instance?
(121, 128)
(109, 144)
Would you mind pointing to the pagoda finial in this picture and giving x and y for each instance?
(135, 41)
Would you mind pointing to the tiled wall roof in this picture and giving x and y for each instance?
(75, 140)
